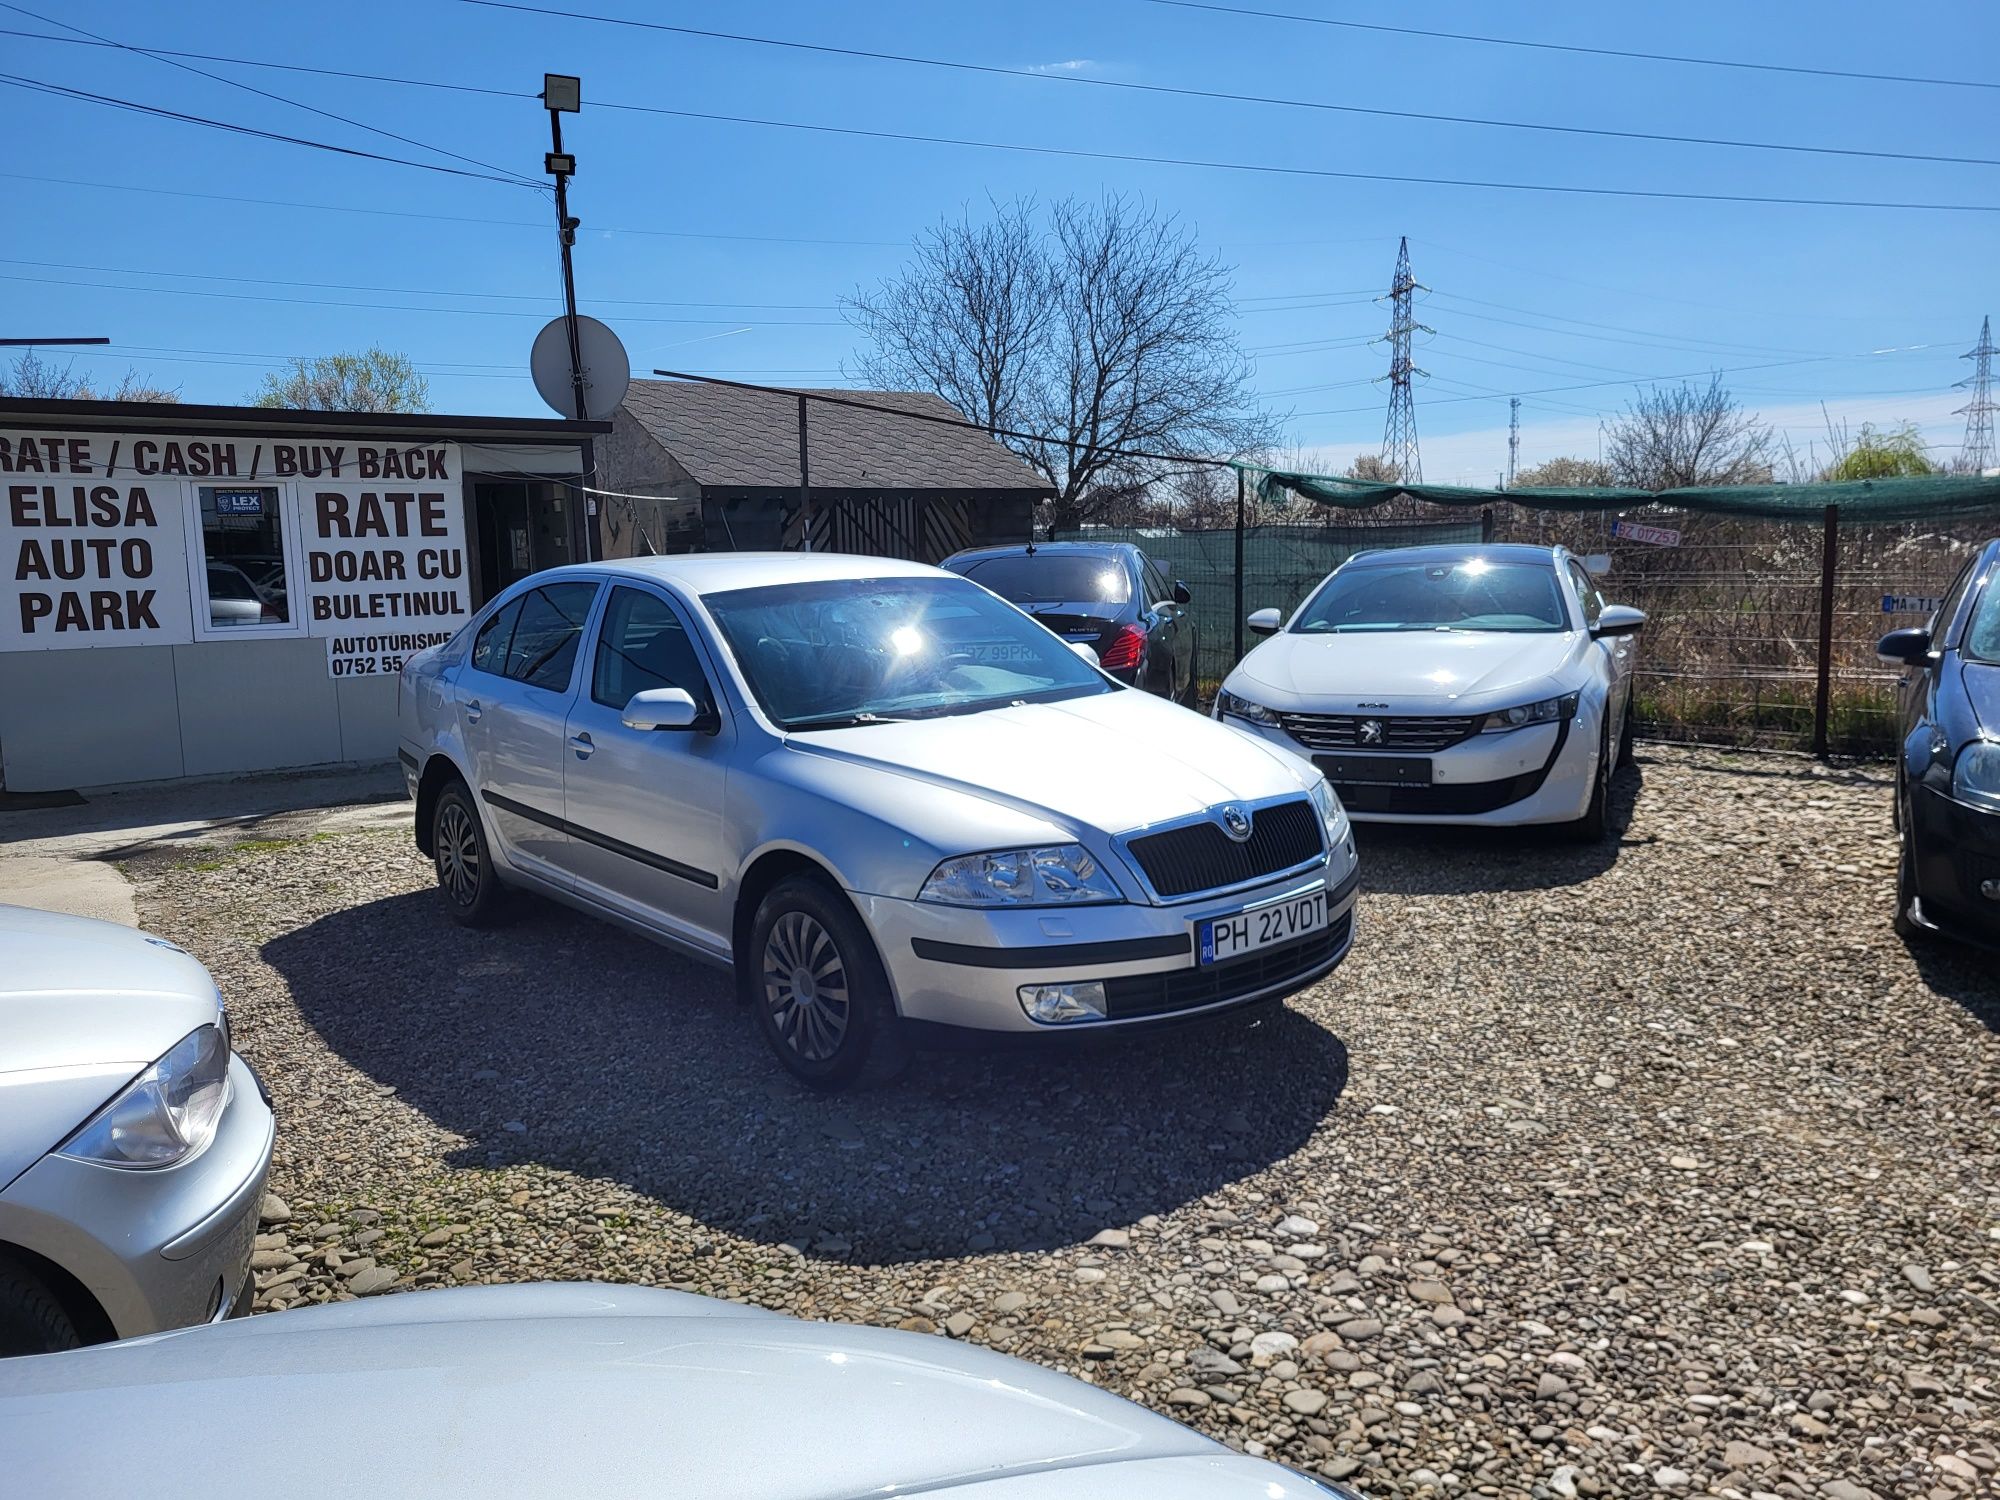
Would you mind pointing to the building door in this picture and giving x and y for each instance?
(522, 528)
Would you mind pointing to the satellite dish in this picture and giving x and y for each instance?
(607, 371)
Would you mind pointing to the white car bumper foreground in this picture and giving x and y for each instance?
(965, 969)
(1540, 774)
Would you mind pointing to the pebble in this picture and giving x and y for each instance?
(1306, 1403)
(1112, 1239)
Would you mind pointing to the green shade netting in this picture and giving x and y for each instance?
(1929, 497)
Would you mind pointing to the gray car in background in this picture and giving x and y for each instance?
(591, 1391)
(133, 1143)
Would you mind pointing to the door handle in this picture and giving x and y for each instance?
(582, 745)
(473, 710)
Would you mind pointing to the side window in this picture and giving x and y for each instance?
(1940, 623)
(1586, 593)
(642, 645)
(545, 639)
(1154, 583)
(489, 647)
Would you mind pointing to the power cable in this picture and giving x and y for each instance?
(868, 55)
(1508, 41)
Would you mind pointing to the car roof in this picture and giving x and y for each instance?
(1455, 552)
(1042, 549)
(715, 572)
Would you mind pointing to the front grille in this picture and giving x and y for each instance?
(1345, 732)
(1201, 857)
(1138, 995)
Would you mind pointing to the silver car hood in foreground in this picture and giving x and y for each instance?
(587, 1391)
(1458, 671)
(1115, 762)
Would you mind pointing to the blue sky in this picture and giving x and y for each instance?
(187, 247)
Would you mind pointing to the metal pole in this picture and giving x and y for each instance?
(566, 233)
(805, 485)
(1239, 565)
(1829, 560)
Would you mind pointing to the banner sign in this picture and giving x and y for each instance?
(1910, 604)
(123, 540)
(1652, 536)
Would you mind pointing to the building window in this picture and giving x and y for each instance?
(244, 576)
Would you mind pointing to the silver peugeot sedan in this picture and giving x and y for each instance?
(133, 1143)
(886, 797)
(580, 1392)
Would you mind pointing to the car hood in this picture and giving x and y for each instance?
(559, 1391)
(1113, 762)
(1982, 691)
(1469, 670)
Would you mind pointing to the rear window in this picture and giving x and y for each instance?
(1052, 578)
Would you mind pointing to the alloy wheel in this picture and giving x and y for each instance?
(457, 854)
(805, 986)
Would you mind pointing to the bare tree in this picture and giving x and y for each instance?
(374, 380)
(1673, 436)
(1565, 474)
(1107, 331)
(34, 376)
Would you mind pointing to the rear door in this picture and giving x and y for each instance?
(644, 807)
(1172, 640)
(513, 701)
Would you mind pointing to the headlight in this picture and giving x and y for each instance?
(1975, 780)
(1229, 706)
(167, 1113)
(1331, 813)
(1060, 876)
(1548, 711)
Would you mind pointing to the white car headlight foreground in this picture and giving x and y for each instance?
(1331, 813)
(1229, 706)
(1975, 779)
(1548, 711)
(167, 1113)
(1063, 875)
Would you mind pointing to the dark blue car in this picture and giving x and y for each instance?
(1948, 781)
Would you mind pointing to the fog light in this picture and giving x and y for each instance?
(1058, 1004)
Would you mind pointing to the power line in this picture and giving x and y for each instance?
(62, 91)
(1508, 41)
(869, 55)
(247, 88)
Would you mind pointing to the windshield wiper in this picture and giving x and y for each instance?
(848, 721)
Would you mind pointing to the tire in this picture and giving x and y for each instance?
(1595, 823)
(1625, 755)
(1188, 696)
(31, 1320)
(819, 989)
(463, 860)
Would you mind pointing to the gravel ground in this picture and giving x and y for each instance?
(1655, 1169)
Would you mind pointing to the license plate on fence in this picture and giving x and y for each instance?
(1220, 939)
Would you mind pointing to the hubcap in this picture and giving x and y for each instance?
(805, 986)
(457, 855)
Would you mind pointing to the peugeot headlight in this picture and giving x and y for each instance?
(1229, 706)
(1331, 813)
(1064, 875)
(1975, 780)
(165, 1115)
(1548, 711)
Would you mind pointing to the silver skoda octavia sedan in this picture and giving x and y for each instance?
(133, 1143)
(886, 797)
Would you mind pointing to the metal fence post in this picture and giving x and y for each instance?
(1829, 561)
(1239, 565)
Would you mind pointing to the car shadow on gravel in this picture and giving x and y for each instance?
(1408, 859)
(1962, 973)
(560, 1040)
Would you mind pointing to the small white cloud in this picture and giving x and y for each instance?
(1074, 65)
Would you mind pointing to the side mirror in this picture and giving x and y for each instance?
(1085, 650)
(1265, 621)
(1910, 647)
(1618, 619)
(1181, 593)
(661, 708)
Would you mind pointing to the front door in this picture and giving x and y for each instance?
(644, 807)
(513, 701)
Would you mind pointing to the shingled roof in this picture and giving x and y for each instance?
(725, 437)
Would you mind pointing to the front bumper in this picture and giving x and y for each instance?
(960, 968)
(1541, 774)
(157, 1249)
(1957, 851)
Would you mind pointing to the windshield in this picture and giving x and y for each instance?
(869, 650)
(1060, 578)
(1982, 635)
(1475, 594)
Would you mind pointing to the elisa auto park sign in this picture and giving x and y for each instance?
(129, 540)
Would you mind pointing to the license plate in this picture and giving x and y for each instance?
(1221, 939)
(1375, 770)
